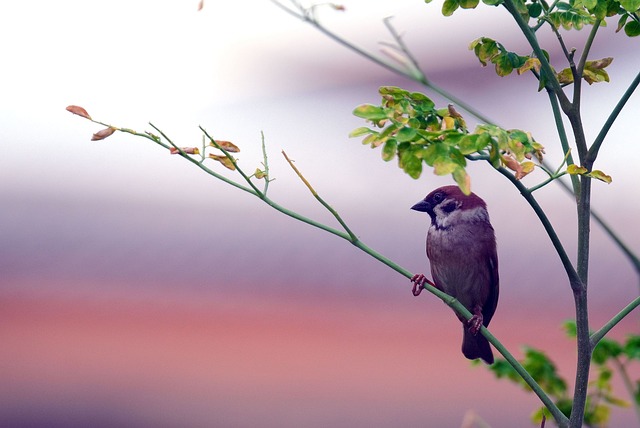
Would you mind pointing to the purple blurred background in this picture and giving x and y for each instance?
(137, 291)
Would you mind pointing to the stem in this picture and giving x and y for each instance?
(352, 236)
(192, 160)
(564, 141)
(583, 362)
(577, 82)
(265, 163)
(255, 191)
(580, 298)
(567, 54)
(545, 182)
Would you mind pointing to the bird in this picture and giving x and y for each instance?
(462, 252)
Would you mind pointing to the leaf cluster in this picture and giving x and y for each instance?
(505, 62)
(569, 15)
(609, 356)
(414, 130)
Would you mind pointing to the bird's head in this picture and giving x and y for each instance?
(448, 206)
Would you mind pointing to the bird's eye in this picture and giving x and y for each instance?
(438, 197)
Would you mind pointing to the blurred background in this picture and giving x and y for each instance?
(137, 291)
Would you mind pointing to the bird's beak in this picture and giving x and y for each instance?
(422, 206)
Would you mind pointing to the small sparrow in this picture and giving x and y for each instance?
(461, 247)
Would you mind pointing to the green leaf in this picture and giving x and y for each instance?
(358, 132)
(504, 67)
(463, 180)
(599, 175)
(530, 64)
(444, 166)
(406, 134)
(594, 70)
(632, 347)
(589, 4)
(606, 349)
(468, 144)
(613, 8)
(434, 152)
(393, 91)
(630, 5)
(370, 112)
(469, 4)
(389, 149)
(568, 17)
(600, 9)
(565, 76)
(411, 164)
(574, 169)
(632, 29)
(449, 6)
(597, 415)
(485, 49)
(535, 9)
(621, 22)
(615, 401)
(543, 370)
(457, 157)
(570, 328)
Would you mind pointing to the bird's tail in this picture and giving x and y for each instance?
(476, 346)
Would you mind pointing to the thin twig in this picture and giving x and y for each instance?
(329, 208)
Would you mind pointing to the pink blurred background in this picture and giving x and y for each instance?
(137, 291)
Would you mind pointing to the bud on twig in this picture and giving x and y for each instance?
(187, 150)
(79, 111)
(101, 135)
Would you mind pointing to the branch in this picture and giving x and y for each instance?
(577, 80)
(564, 141)
(353, 238)
(348, 236)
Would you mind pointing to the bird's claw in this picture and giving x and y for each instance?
(474, 324)
(418, 281)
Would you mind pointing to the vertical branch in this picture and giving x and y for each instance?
(564, 141)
